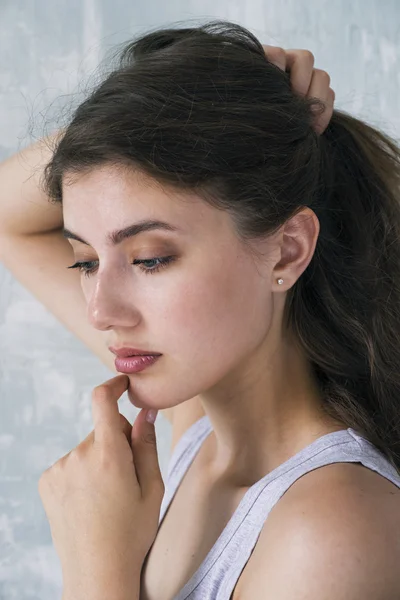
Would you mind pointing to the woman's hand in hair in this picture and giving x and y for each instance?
(305, 80)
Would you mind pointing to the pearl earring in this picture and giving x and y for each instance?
(280, 281)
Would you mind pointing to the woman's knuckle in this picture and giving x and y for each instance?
(157, 488)
(149, 438)
(161, 488)
(324, 76)
(308, 55)
(99, 392)
(280, 53)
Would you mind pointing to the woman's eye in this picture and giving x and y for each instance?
(84, 267)
(89, 267)
(162, 262)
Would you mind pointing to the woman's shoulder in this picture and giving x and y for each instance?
(338, 525)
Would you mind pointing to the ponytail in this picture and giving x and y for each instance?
(350, 292)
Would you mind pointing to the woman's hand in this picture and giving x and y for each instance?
(103, 500)
(305, 80)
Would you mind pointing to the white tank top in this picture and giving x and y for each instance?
(218, 574)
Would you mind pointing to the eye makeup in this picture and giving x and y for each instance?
(90, 267)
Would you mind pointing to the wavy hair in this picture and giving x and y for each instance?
(203, 110)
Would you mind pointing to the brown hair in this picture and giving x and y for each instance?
(203, 110)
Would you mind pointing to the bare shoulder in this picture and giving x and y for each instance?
(335, 534)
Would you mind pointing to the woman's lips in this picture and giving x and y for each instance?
(133, 364)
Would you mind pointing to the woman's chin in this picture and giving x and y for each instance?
(133, 399)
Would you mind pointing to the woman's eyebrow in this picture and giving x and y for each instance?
(117, 236)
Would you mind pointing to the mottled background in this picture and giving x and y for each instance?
(49, 50)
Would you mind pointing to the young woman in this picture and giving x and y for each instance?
(270, 292)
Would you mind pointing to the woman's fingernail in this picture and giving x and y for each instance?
(151, 415)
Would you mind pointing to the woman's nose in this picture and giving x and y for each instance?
(108, 306)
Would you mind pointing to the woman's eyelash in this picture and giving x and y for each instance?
(89, 267)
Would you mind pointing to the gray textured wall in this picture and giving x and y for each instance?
(46, 375)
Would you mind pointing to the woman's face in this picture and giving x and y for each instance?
(206, 311)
